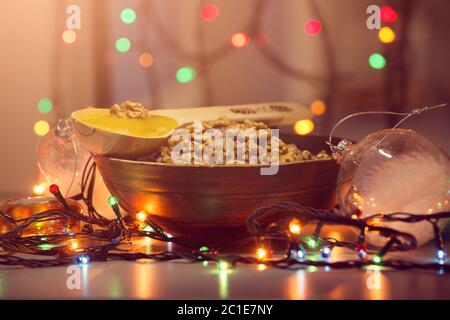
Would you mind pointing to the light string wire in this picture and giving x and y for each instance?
(112, 239)
(406, 115)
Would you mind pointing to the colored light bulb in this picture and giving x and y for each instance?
(141, 216)
(54, 189)
(361, 250)
(41, 127)
(261, 253)
(222, 265)
(146, 60)
(441, 254)
(128, 15)
(386, 35)
(113, 201)
(377, 259)
(148, 229)
(69, 36)
(204, 249)
(388, 14)
(209, 12)
(39, 189)
(377, 61)
(304, 127)
(84, 259)
(313, 27)
(300, 254)
(123, 44)
(295, 227)
(312, 243)
(45, 105)
(240, 40)
(325, 252)
(186, 74)
(318, 107)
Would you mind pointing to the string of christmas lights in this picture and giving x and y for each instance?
(103, 239)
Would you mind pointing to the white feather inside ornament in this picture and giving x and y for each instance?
(395, 170)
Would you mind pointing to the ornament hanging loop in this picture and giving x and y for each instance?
(345, 145)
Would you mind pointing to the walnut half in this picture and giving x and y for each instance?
(129, 109)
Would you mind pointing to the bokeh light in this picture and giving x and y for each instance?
(186, 74)
(69, 36)
(45, 105)
(146, 60)
(261, 253)
(141, 216)
(41, 128)
(295, 227)
(386, 35)
(377, 61)
(388, 14)
(303, 127)
(128, 15)
(123, 44)
(39, 189)
(313, 27)
(74, 245)
(209, 12)
(240, 40)
(318, 107)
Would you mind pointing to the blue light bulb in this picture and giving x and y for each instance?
(325, 252)
(84, 259)
(441, 254)
(298, 254)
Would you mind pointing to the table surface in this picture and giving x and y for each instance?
(183, 280)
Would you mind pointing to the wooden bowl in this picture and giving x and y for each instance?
(211, 204)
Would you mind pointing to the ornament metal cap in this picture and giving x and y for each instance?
(339, 151)
(64, 129)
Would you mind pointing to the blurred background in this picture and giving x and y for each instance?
(60, 55)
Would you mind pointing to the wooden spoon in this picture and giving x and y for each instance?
(112, 143)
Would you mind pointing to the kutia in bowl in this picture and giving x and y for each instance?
(129, 131)
(209, 199)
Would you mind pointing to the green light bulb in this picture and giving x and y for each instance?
(123, 44)
(186, 74)
(148, 229)
(377, 61)
(45, 105)
(128, 15)
(312, 243)
(377, 259)
(112, 201)
(222, 265)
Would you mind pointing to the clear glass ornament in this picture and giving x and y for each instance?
(61, 159)
(394, 170)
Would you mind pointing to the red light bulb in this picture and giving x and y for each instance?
(54, 189)
(313, 27)
(388, 14)
(209, 12)
(361, 249)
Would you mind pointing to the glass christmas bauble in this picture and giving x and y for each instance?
(394, 170)
(54, 224)
(61, 159)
